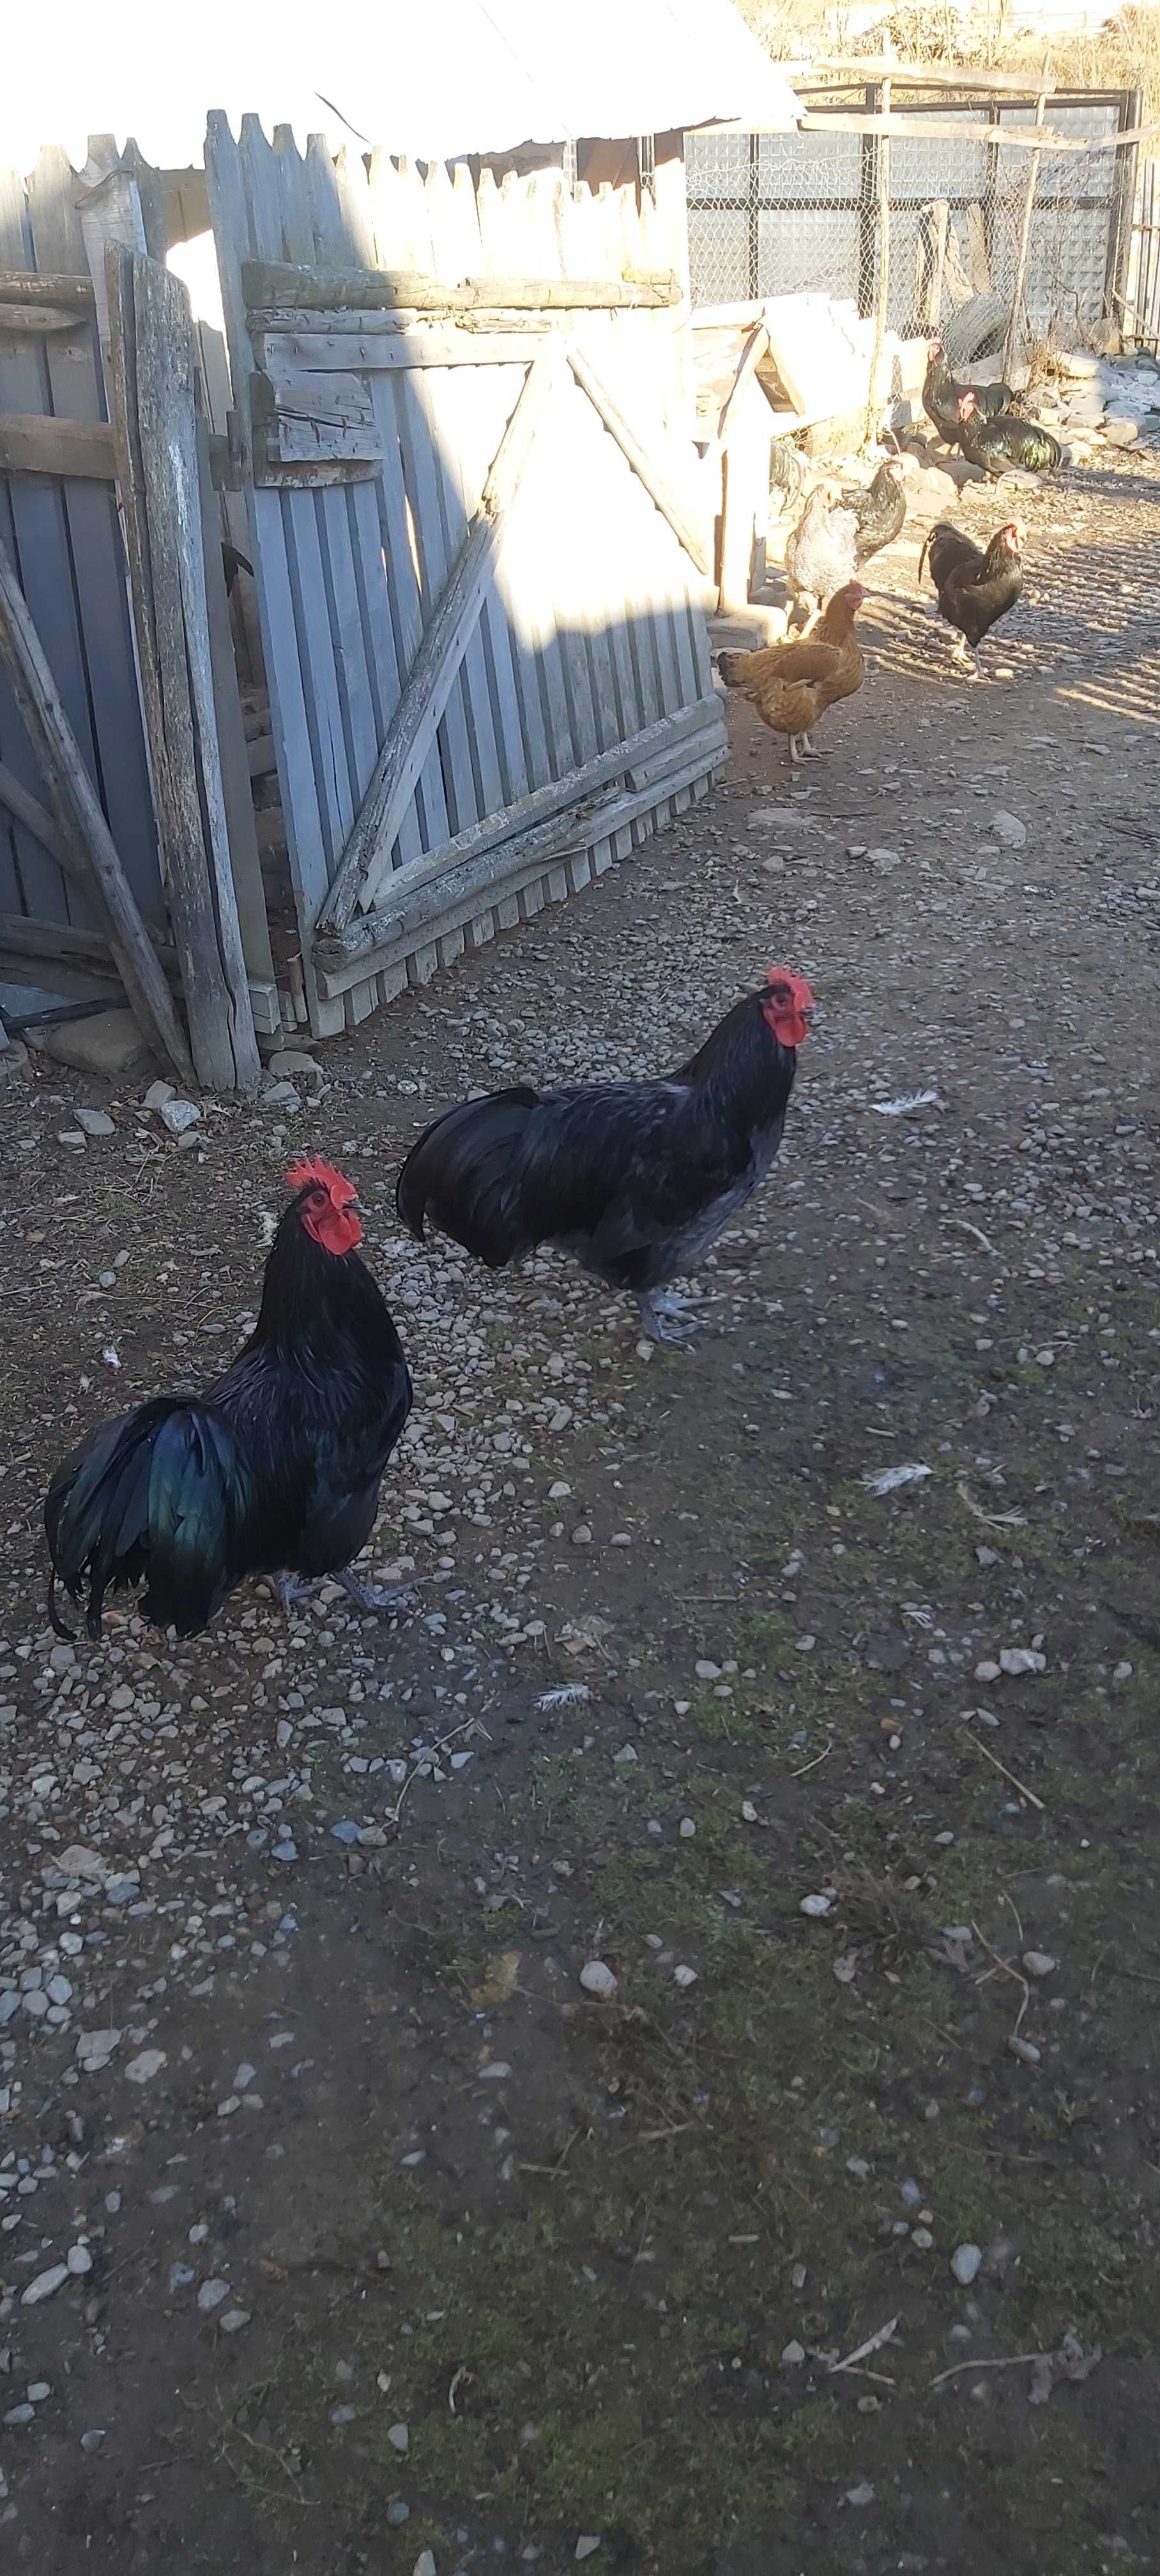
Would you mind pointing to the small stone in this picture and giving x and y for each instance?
(987, 1671)
(1024, 2049)
(92, 2441)
(921, 2236)
(588, 2541)
(280, 1095)
(597, 1979)
(1008, 829)
(424, 2564)
(793, 2355)
(233, 2321)
(966, 2264)
(292, 1060)
(707, 1672)
(79, 2261)
(399, 2437)
(38, 2391)
(45, 2286)
(582, 1535)
(179, 1115)
(73, 1136)
(1122, 1673)
(684, 1976)
(158, 1093)
(815, 1905)
(398, 2512)
(1021, 1659)
(496, 2071)
(686, 1829)
(1039, 1963)
(142, 2069)
(211, 2294)
(96, 1122)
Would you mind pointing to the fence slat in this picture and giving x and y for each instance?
(151, 380)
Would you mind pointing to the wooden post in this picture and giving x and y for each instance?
(873, 400)
(932, 255)
(79, 814)
(150, 379)
(1024, 241)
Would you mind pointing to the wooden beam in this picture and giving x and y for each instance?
(367, 855)
(332, 343)
(882, 299)
(27, 809)
(966, 76)
(24, 320)
(1024, 240)
(150, 376)
(268, 285)
(1016, 138)
(643, 461)
(26, 936)
(36, 443)
(81, 819)
(37, 286)
(626, 760)
(756, 347)
(475, 886)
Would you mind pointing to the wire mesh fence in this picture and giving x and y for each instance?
(782, 214)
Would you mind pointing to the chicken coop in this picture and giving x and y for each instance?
(353, 611)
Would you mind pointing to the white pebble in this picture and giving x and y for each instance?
(597, 1979)
(966, 2264)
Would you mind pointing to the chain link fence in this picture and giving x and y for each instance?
(783, 214)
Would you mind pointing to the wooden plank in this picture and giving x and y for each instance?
(347, 342)
(451, 402)
(34, 527)
(245, 864)
(1026, 215)
(17, 320)
(151, 386)
(269, 283)
(28, 810)
(36, 443)
(913, 129)
(429, 681)
(97, 595)
(405, 605)
(228, 214)
(81, 818)
(671, 734)
(643, 462)
(23, 935)
(520, 863)
(44, 286)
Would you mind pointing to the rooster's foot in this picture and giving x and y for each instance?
(290, 1589)
(376, 1596)
(666, 1319)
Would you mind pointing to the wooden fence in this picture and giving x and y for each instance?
(477, 547)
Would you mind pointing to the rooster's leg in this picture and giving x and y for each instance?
(290, 1590)
(374, 1596)
(665, 1319)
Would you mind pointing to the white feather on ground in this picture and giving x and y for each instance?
(887, 1480)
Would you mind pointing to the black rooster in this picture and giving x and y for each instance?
(879, 508)
(941, 395)
(635, 1179)
(275, 1469)
(974, 589)
(1004, 445)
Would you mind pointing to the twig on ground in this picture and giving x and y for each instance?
(873, 2343)
(1020, 1785)
(1008, 1971)
(827, 1747)
(1005, 2361)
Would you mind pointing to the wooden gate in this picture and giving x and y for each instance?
(477, 550)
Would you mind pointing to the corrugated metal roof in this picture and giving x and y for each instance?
(441, 79)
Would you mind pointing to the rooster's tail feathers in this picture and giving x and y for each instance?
(461, 1175)
(155, 1495)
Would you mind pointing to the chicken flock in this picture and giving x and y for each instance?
(793, 682)
(275, 1469)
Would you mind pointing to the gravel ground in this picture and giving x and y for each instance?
(465, 2086)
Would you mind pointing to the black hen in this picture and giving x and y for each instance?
(635, 1179)
(941, 395)
(974, 589)
(879, 508)
(275, 1469)
(1004, 445)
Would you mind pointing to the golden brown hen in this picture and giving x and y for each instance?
(792, 683)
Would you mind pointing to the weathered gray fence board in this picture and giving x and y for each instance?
(112, 719)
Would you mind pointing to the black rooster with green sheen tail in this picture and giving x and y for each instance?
(275, 1469)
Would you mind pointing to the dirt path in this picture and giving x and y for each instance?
(390, 2249)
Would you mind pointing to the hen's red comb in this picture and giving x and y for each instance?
(314, 1173)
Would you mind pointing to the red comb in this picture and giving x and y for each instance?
(316, 1174)
(780, 975)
